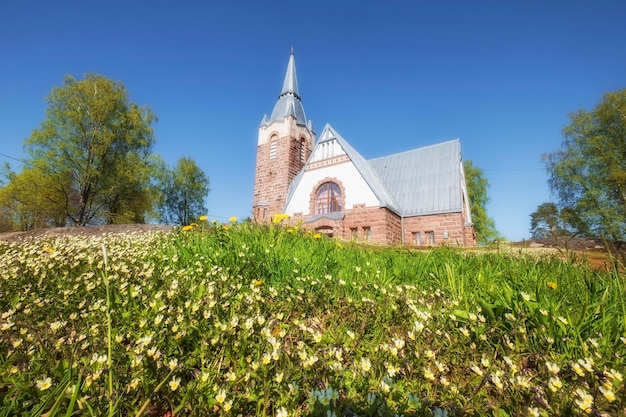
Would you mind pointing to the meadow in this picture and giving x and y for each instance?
(236, 319)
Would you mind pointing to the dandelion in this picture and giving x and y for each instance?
(233, 219)
(187, 228)
(174, 383)
(203, 218)
(552, 285)
(44, 383)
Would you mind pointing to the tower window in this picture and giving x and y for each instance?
(273, 148)
(302, 150)
(328, 198)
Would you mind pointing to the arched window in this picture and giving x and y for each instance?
(328, 198)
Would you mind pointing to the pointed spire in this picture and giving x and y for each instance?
(290, 85)
(289, 103)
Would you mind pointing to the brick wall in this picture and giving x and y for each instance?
(278, 164)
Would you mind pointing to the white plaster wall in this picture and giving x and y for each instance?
(356, 189)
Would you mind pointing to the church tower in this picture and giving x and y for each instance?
(285, 142)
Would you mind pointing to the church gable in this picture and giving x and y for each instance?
(332, 161)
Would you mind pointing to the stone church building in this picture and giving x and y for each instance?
(418, 197)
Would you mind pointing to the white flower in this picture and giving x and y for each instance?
(44, 383)
(174, 383)
(281, 412)
(366, 365)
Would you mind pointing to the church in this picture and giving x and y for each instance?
(418, 197)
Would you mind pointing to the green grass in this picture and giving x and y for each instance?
(237, 319)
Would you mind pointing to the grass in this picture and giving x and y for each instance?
(243, 320)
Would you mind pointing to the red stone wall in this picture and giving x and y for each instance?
(386, 227)
(273, 176)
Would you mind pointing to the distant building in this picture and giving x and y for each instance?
(418, 197)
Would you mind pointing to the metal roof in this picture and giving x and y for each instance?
(288, 103)
(425, 180)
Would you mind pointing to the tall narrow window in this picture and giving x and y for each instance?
(328, 198)
(302, 150)
(417, 238)
(430, 237)
(273, 148)
(367, 233)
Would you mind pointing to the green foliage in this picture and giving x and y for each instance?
(32, 200)
(183, 192)
(549, 221)
(588, 175)
(96, 144)
(241, 319)
(477, 184)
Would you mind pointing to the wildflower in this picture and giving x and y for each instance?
(202, 218)
(562, 319)
(44, 383)
(578, 369)
(187, 228)
(525, 296)
(281, 412)
(533, 411)
(428, 374)
(584, 400)
(552, 285)
(350, 334)
(174, 383)
(317, 236)
(476, 370)
(233, 219)
(608, 394)
(279, 377)
(366, 365)
(555, 383)
(293, 388)
(172, 364)
(221, 396)
(230, 376)
(553, 368)
(413, 401)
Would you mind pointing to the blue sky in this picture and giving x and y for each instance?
(389, 76)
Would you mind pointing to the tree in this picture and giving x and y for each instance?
(95, 146)
(183, 193)
(477, 185)
(550, 221)
(588, 175)
(31, 200)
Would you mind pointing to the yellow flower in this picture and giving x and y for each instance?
(44, 383)
(228, 405)
(233, 219)
(203, 218)
(317, 236)
(221, 396)
(174, 383)
(552, 285)
(187, 228)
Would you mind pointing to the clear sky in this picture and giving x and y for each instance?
(389, 76)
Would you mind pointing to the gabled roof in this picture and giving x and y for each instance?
(365, 169)
(288, 103)
(425, 180)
